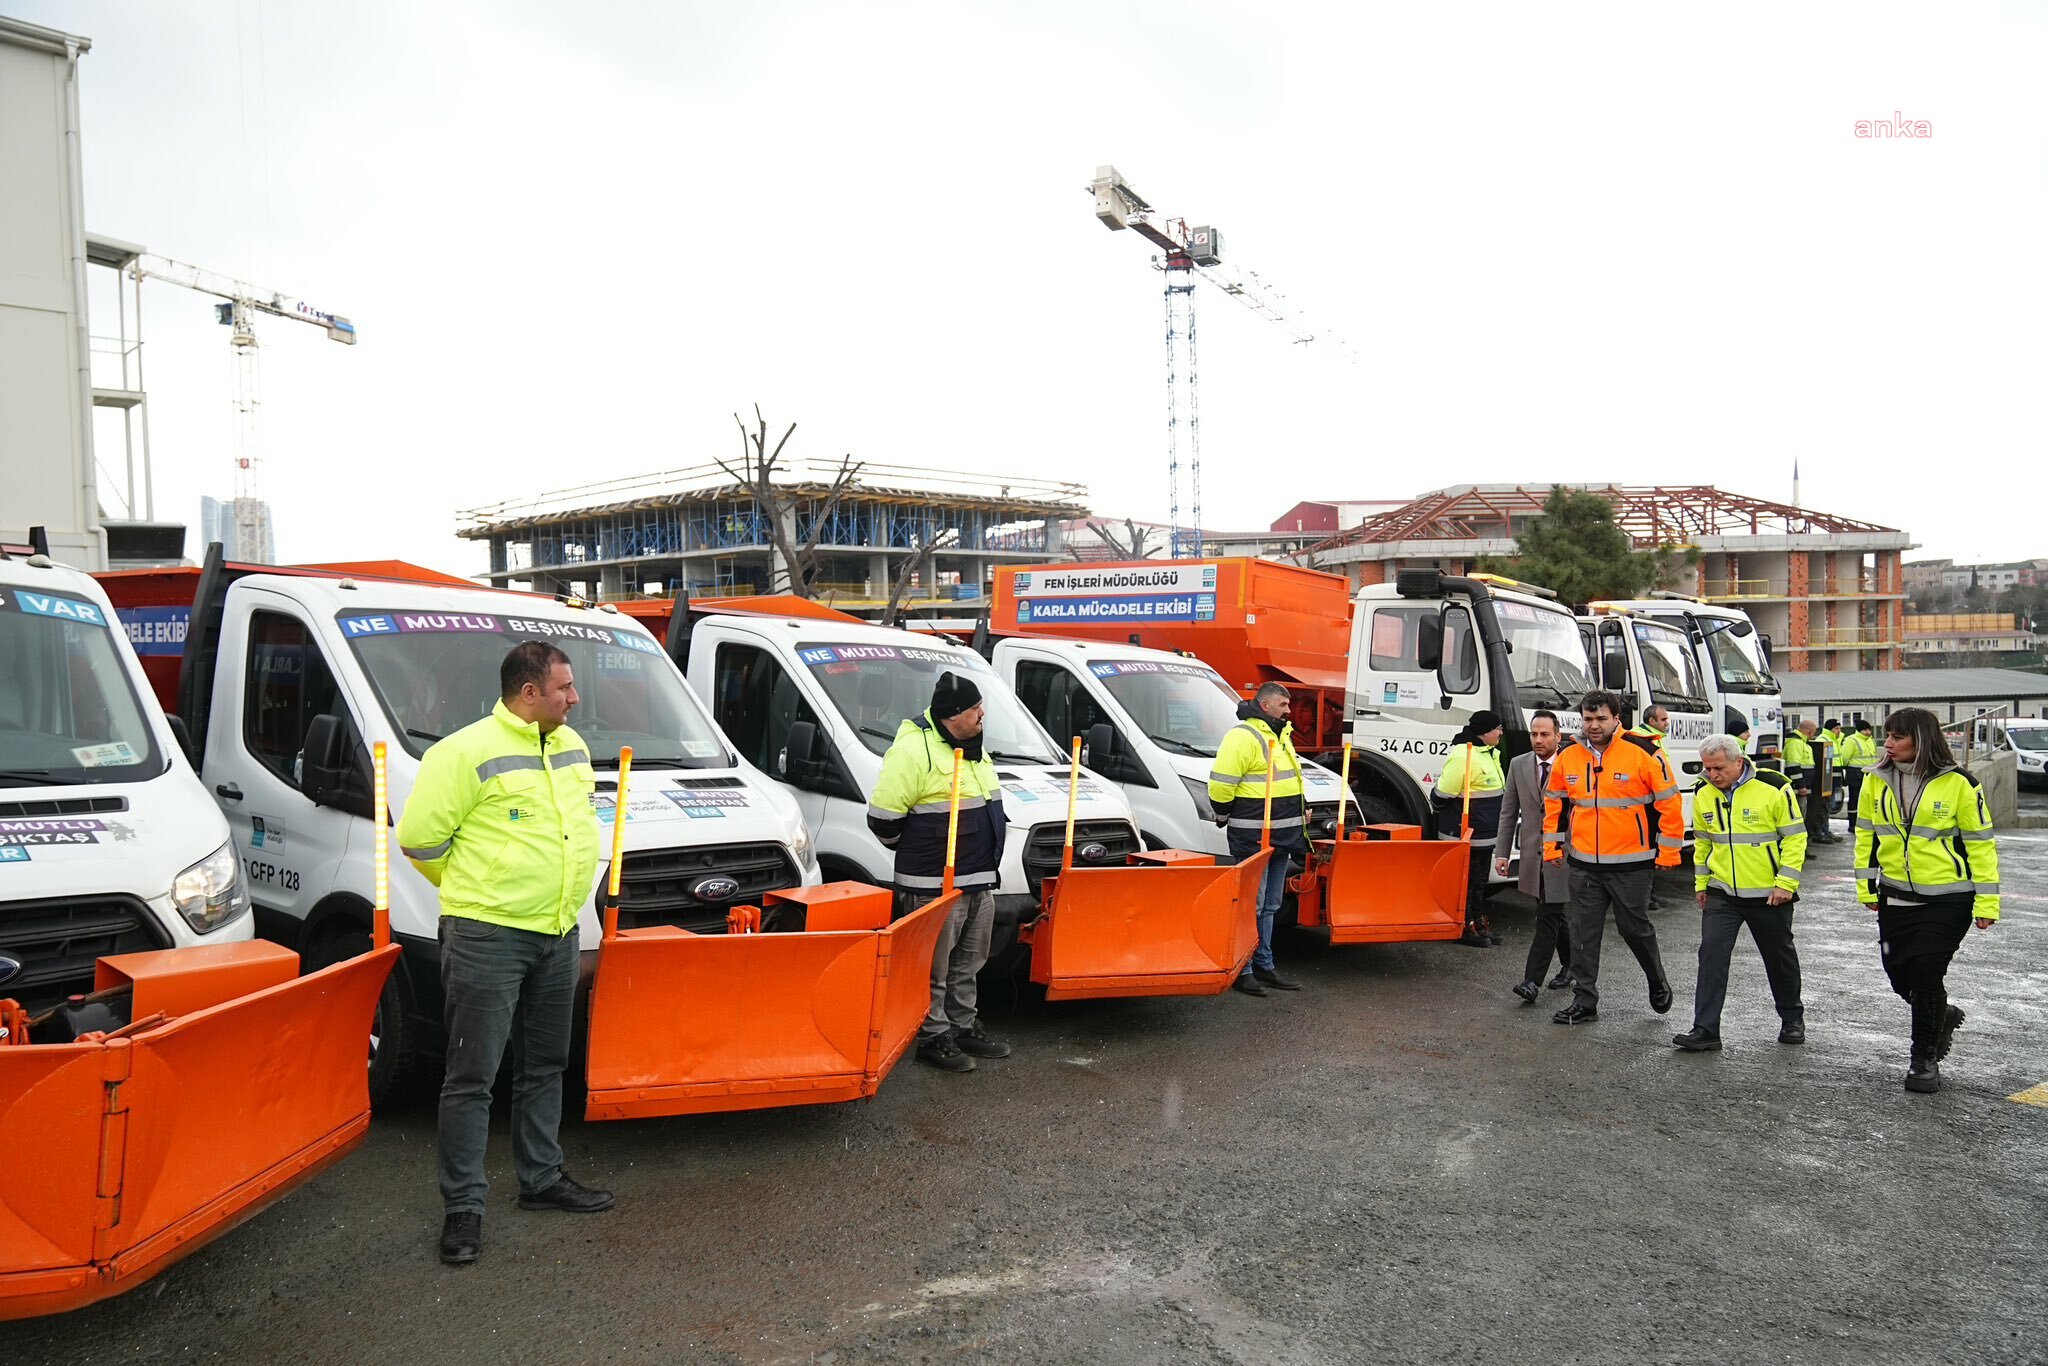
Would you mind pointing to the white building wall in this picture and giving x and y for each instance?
(46, 464)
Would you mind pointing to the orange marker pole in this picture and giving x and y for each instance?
(1266, 822)
(1465, 815)
(953, 826)
(1344, 792)
(1073, 796)
(380, 816)
(611, 901)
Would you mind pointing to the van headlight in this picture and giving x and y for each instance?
(806, 852)
(211, 892)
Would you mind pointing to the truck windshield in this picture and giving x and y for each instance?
(1186, 707)
(878, 687)
(435, 672)
(1670, 671)
(1546, 654)
(69, 712)
(1738, 661)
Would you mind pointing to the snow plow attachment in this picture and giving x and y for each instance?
(1184, 928)
(684, 1023)
(130, 1149)
(1393, 890)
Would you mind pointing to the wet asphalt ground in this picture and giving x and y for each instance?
(1400, 1163)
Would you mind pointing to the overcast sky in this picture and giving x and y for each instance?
(1630, 242)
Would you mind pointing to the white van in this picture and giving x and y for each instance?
(289, 676)
(108, 843)
(815, 700)
(1153, 721)
(1734, 661)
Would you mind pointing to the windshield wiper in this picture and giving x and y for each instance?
(1551, 688)
(426, 735)
(27, 777)
(1008, 758)
(1183, 746)
(878, 734)
(655, 761)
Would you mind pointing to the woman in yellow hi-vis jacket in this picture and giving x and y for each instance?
(1926, 862)
(1469, 792)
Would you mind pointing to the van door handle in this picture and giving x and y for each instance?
(228, 790)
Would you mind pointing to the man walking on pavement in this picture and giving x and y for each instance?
(909, 812)
(501, 821)
(1858, 752)
(1521, 831)
(1749, 850)
(1597, 819)
(1237, 791)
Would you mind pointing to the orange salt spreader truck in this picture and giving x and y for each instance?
(1148, 659)
(162, 1076)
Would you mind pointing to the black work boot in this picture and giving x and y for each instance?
(977, 1044)
(943, 1053)
(1952, 1021)
(1696, 1040)
(568, 1197)
(1248, 985)
(462, 1238)
(1922, 1075)
(1273, 979)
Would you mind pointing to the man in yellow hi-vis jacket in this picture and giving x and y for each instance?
(501, 821)
(1237, 793)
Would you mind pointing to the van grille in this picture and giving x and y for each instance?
(57, 941)
(1043, 845)
(656, 886)
(63, 806)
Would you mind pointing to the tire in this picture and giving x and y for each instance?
(1377, 810)
(396, 1064)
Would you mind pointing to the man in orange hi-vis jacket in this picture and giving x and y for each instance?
(1612, 812)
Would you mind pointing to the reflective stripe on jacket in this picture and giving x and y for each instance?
(1858, 751)
(911, 805)
(501, 819)
(1237, 781)
(1797, 757)
(1942, 847)
(1750, 838)
(1483, 768)
(1598, 809)
(1650, 733)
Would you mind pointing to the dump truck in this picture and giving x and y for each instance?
(162, 1075)
(284, 678)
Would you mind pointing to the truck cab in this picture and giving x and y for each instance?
(1734, 663)
(286, 678)
(1648, 662)
(813, 697)
(1152, 721)
(108, 843)
(1429, 650)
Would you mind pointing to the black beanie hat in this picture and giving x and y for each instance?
(953, 695)
(1482, 721)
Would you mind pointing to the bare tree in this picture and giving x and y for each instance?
(916, 564)
(1131, 545)
(756, 474)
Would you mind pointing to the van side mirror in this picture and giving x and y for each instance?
(1102, 750)
(183, 735)
(327, 768)
(800, 754)
(1429, 643)
(1763, 643)
(1614, 672)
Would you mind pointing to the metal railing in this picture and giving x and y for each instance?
(1977, 735)
(1716, 590)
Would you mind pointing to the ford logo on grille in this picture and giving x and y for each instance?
(1094, 853)
(714, 889)
(8, 967)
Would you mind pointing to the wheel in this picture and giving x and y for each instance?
(395, 1062)
(1377, 810)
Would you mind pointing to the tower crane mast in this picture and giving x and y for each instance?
(242, 301)
(1189, 252)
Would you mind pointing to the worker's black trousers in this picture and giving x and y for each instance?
(1771, 928)
(1552, 935)
(1854, 777)
(1593, 891)
(1917, 943)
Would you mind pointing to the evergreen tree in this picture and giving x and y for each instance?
(1577, 550)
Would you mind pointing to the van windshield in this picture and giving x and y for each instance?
(879, 687)
(435, 672)
(69, 712)
(1186, 707)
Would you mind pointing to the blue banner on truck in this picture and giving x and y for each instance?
(156, 630)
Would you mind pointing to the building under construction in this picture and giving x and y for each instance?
(1829, 591)
(699, 530)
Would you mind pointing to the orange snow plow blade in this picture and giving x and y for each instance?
(683, 1023)
(1183, 928)
(126, 1151)
(1391, 890)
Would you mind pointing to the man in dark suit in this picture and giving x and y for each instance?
(1521, 829)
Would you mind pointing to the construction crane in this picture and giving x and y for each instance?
(1188, 252)
(242, 301)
